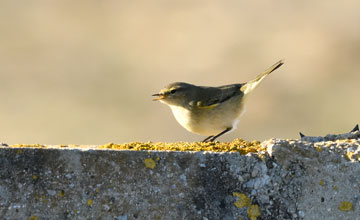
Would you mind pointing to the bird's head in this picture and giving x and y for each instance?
(177, 93)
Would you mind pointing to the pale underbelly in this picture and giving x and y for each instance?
(208, 122)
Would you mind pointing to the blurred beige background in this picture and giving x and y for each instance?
(82, 72)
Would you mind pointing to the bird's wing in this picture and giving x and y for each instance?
(213, 96)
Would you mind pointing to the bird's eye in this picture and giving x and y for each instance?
(173, 91)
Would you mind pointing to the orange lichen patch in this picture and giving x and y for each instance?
(238, 145)
(243, 200)
(150, 163)
(346, 206)
(254, 212)
(34, 218)
(90, 202)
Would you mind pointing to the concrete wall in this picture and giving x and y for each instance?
(311, 178)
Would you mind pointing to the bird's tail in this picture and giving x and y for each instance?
(251, 85)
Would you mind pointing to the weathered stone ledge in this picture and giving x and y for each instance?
(310, 178)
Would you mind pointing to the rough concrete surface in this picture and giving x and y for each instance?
(310, 178)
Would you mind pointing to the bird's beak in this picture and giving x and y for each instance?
(160, 97)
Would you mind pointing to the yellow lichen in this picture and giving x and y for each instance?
(262, 157)
(349, 155)
(62, 193)
(89, 202)
(43, 200)
(150, 163)
(254, 212)
(346, 206)
(19, 152)
(357, 157)
(238, 145)
(335, 187)
(318, 148)
(34, 177)
(27, 145)
(322, 183)
(34, 218)
(243, 200)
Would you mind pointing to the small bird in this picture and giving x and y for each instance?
(210, 111)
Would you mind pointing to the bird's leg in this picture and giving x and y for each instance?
(206, 139)
(221, 133)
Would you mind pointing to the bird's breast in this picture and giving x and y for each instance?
(182, 115)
